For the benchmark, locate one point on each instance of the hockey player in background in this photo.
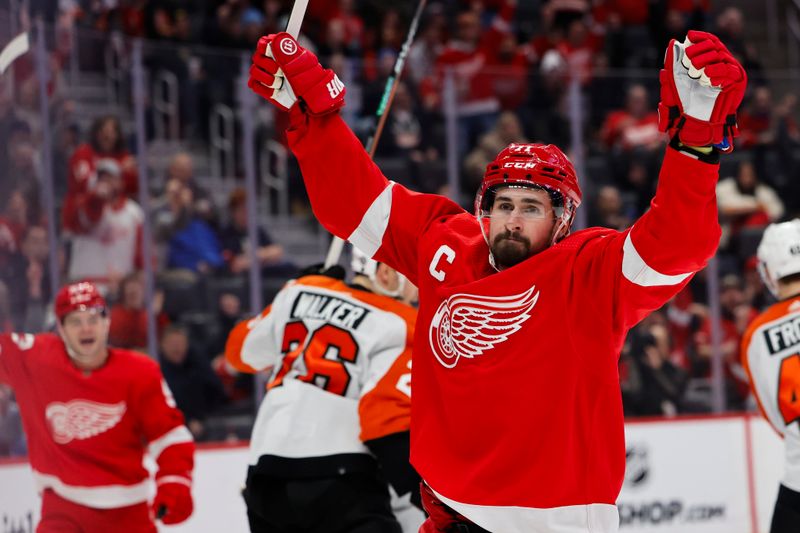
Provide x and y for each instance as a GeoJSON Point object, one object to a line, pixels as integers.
{"type": "Point", "coordinates": [91, 413]}
{"type": "Point", "coordinates": [771, 356]}
{"type": "Point", "coordinates": [338, 398]}
{"type": "Point", "coordinates": [517, 422]}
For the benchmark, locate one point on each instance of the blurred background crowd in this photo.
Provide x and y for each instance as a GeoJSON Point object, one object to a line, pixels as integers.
{"type": "Point", "coordinates": [83, 183]}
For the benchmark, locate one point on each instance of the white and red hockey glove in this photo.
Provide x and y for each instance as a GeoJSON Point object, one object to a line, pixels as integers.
{"type": "Point", "coordinates": [173, 502]}
{"type": "Point", "coordinates": [702, 85]}
{"type": "Point", "coordinates": [284, 72]}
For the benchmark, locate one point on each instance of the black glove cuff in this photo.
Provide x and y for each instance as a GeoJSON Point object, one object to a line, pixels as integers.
{"type": "Point", "coordinates": [711, 157]}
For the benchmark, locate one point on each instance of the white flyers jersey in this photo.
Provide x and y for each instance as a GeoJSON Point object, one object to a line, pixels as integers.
{"type": "Point", "coordinates": [341, 369]}
{"type": "Point", "coordinates": [771, 356]}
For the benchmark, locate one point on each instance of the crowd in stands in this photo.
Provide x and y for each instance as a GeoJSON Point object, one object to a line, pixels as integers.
{"type": "Point", "coordinates": [511, 63]}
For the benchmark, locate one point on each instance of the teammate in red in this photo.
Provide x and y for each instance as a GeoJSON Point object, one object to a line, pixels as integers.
{"type": "Point", "coordinates": [91, 413]}
{"type": "Point", "coordinates": [338, 399]}
{"type": "Point", "coordinates": [771, 356]}
{"type": "Point", "coordinates": [517, 419]}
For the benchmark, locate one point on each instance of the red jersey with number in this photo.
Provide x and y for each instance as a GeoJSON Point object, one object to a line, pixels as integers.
{"type": "Point", "coordinates": [88, 431]}
{"type": "Point", "coordinates": [340, 375]}
{"type": "Point", "coordinates": [517, 415]}
{"type": "Point", "coordinates": [771, 356]}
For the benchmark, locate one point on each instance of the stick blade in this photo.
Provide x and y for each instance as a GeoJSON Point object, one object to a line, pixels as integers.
{"type": "Point", "coordinates": [18, 46]}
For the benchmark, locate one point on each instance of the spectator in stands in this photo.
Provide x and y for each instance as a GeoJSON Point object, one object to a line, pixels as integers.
{"type": "Point", "coordinates": [427, 46]}
{"type": "Point", "coordinates": [129, 315]}
{"type": "Point", "coordinates": [661, 383]}
{"type": "Point", "coordinates": [373, 88]}
{"type": "Point", "coordinates": [764, 124]}
{"type": "Point", "coordinates": [467, 55]}
{"type": "Point", "coordinates": [22, 170]}
{"type": "Point", "coordinates": [26, 275]}
{"type": "Point", "coordinates": [344, 32]}
{"type": "Point", "coordinates": [736, 313]}
{"type": "Point", "coordinates": [755, 292]}
{"type": "Point", "coordinates": [508, 69]}
{"type": "Point", "coordinates": [238, 385]}
{"type": "Point", "coordinates": [197, 390]}
{"type": "Point", "coordinates": [14, 221]}
{"type": "Point", "coordinates": [409, 138]}
{"type": "Point", "coordinates": [683, 317]}
{"type": "Point", "coordinates": [181, 168]}
{"type": "Point", "coordinates": [235, 243]}
{"type": "Point", "coordinates": [105, 142]}
{"type": "Point", "coordinates": [745, 202]}
{"type": "Point", "coordinates": [578, 49]}
{"type": "Point", "coordinates": [730, 28]}
{"type": "Point", "coordinates": [506, 130]}
{"type": "Point", "coordinates": [608, 209]}
{"type": "Point", "coordinates": [104, 225]}
{"type": "Point", "coordinates": [190, 242]}
{"type": "Point", "coordinates": [12, 437]}
{"type": "Point", "coordinates": [636, 126]}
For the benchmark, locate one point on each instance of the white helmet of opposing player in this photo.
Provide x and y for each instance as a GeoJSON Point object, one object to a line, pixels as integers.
{"type": "Point", "coordinates": [779, 253]}
{"type": "Point", "coordinates": [364, 265]}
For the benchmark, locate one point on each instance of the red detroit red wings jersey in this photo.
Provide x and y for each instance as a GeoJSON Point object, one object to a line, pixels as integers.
{"type": "Point", "coordinates": [88, 431]}
{"type": "Point", "coordinates": [516, 415]}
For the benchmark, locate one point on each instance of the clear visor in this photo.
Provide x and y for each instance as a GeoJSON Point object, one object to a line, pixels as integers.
{"type": "Point", "coordinates": [499, 207]}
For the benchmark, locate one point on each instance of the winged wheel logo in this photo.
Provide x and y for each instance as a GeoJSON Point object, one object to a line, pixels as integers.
{"type": "Point", "coordinates": [468, 325]}
{"type": "Point", "coordinates": [82, 419]}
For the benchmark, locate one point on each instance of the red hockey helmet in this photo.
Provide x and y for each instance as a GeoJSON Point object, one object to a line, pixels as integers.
{"type": "Point", "coordinates": [531, 165]}
{"type": "Point", "coordinates": [78, 297]}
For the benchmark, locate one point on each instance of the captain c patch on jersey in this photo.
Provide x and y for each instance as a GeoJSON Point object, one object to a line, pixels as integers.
{"type": "Point", "coordinates": [783, 335]}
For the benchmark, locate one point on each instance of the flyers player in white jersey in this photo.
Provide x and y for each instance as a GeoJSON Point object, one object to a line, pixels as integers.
{"type": "Point", "coordinates": [338, 398]}
{"type": "Point", "coordinates": [517, 421]}
{"type": "Point", "coordinates": [91, 413]}
{"type": "Point", "coordinates": [771, 356]}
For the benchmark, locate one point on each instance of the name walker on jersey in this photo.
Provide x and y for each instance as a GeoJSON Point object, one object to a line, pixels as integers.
{"type": "Point", "coordinates": [329, 309]}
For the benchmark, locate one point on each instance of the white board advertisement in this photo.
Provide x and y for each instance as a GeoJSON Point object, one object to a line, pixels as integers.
{"type": "Point", "coordinates": [682, 476]}
{"type": "Point", "coordinates": [686, 477]}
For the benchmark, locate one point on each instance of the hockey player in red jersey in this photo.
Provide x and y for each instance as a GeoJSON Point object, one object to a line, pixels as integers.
{"type": "Point", "coordinates": [517, 421]}
{"type": "Point", "coordinates": [338, 399]}
{"type": "Point", "coordinates": [771, 356]}
{"type": "Point", "coordinates": [91, 413]}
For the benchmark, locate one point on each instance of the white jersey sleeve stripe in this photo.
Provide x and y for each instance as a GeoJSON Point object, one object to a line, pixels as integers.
{"type": "Point", "coordinates": [637, 271]}
{"type": "Point", "coordinates": [368, 236]}
{"type": "Point", "coordinates": [177, 435]}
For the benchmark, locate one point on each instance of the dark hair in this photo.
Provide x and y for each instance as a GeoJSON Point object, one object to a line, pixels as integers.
{"type": "Point", "coordinates": [791, 278]}
{"type": "Point", "coordinates": [98, 124]}
{"type": "Point", "coordinates": [237, 198]}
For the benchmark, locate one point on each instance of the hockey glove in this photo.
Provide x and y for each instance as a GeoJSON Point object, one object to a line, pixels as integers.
{"type": "Point", "coordinates": [285, 72]}
{"type": "Point", "coordinates": [702, 85]}
{"type": "Point", "coordinates": [173, 502]}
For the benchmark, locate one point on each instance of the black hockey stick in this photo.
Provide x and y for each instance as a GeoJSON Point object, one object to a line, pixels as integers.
{"type": "Point", "coordinates": [389, 90]}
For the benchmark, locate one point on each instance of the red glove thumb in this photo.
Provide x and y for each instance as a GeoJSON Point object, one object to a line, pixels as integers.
{"type": "Point", "coordinates": [173, 502]}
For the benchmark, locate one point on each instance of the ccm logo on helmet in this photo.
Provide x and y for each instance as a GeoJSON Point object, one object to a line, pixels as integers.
{"type": "Point", "coordinates": [517, 164]}
{"type": "Point", "coordinates": [288, 47]}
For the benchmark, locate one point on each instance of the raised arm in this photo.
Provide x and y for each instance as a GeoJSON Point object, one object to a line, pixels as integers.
{"type": "Point", "coordinates": [349, 194]}
{"type": "Point", "coordinates": [702, 86]}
